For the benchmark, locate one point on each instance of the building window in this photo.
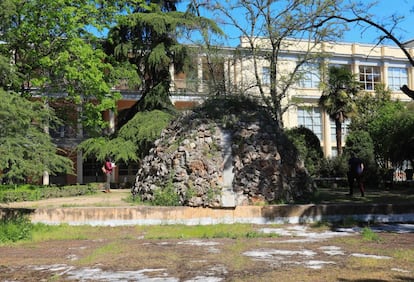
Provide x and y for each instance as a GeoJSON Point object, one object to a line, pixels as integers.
{"type": "Point", "coordinates": [310, 77]}
{"type": "Point", "coordinates": [397, 77]}
{"type": "Point", "coordinates": [369, 77]}
{"type": "Point", "coordinates": [311, 118]}
{"type": "Point", "coordinates": [266, 75]}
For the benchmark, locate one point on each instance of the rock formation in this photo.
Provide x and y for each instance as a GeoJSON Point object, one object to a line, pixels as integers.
{"type": "Point", "coordinates": [188, 159]}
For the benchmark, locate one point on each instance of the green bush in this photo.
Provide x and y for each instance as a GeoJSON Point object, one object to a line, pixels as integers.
{"type": "Point", "coordinates": [360, 143]}
{"type": "Point", "coordinates": [369, 235]}
{"type": "Point", "coordinates": [308, 146]}
{"type": "Point", "coordinates": [334, 167]}
{"type": "Point", "coordinates": [166, 197]}
{"type": "Point", "coordinates": [26, 192]}
{"type": "Point", "coordinates": [15, 229]}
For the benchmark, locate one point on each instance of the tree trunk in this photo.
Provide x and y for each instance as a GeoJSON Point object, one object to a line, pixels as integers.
{"type": "Point", "coordinates": [338, 132]}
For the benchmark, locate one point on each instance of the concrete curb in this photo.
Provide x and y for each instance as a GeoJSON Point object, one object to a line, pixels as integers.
{"type": "Point", "coordinates": [280, 214]}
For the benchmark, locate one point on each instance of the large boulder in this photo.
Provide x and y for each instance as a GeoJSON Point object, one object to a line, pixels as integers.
{"type": "Point", "coordinates": [188, 159]}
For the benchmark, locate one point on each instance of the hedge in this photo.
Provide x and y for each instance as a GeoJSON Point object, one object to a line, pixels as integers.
{"type": "Point", "coordinates": [18, 193]}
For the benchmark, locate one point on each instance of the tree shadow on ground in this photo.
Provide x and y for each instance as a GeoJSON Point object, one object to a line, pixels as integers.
{"type": "Point", "coordinates": [335, 195]}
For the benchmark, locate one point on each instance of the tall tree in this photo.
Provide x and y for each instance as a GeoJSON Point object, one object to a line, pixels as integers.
{"type": "Point", "coordinates": [267, 26]}
{"type": "Point", "coordinates": [26, 150]}
{"type": "Point", "coordinates": [145, 39]}
{"type": "Point", "coordinates": [53, 52]}
{"type": "Point", "coordinates": [146, 35]}
{"type": "Point", "coordinates": [368, 105]}
{"type": "Point", "coordinates": [337, 99]}
{"type": "Point", "coordinates": [390, 125]}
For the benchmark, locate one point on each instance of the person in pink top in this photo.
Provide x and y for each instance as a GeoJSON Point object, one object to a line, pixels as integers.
{"type": "Point", "coordinates": [107, 168]}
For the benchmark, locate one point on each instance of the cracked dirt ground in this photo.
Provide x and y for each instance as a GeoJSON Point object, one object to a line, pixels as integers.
{"type": "Point", "coordinates": [297, 253]}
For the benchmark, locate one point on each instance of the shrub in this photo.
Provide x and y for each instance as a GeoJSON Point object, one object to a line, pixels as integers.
{"type": "Point", "coordinates": [166, 197]}
{"type": "Point", "coordinates": [369, 235]}
{"type": "Point", "coordinates": [15, 229]}
{"type": "Point", "coordinates": [334, 167]}
{"type": "Point", "coordinates": [360, 143]}
{"type": "Point", "coordinates": [308, 146]}
{"type": "Point", "coordinates": [18, 193]}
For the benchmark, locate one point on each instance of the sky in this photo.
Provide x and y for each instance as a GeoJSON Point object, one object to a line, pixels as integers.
{"type": "Point", "coordinates": [383, 9]}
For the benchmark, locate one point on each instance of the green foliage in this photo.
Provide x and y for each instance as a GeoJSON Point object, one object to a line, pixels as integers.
{"type": "Point", "coordinates": [402, 137]}
{"type": "Point", "coordinates": [337, 98]}
{"type": "Point", "coordinates": [8, 76]}
{"type": "Point", "coordinates": [157, 98]}
{"type": "Point", "coordinates": [213, 193]}
{"type": "Point", "coordinates": [309, 147]}
{"type": "Point", "coordinates": [53, 52]}
{"type": "Point", "coordinates": [334, 167]}
{"type": "Point", "coordinates": [153, 27]}
{"type": "Point", "coordinates": [132, 141]}
{"type": "Point", "coordinates": [26, 150]}
{"type": "Point", "coordinates": [233, 231]}
{"type": "Point", "coordinates": [360, 144]}
{"type": "Point", "coordinates": [390, 125]}
{"type": "Point", "coordinates": [102, 147]}
{"type": "Point", "coordinates": [15, 229]}
{"type": "Point", "coordinates": [166, 196]}
{"type": "Point", "coordinates": [18, 193]}
{"type": "Point", "coordinates": [368, 106]}
{"type": "Point", "coordinates": [369, 235]}
{"type": "Point", "coordinates": [393, 132]}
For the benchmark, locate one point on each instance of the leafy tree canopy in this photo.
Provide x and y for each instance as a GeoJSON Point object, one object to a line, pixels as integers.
{"type": "Point", "coordinates": [54, 53]}
{"type": "Point", "coordinates": [26, 150]}
{"type": "Point", "coordinates": [146, 36]}
{"type": "Point", "coordinates": [389, 124]}
{"type": "Point", "coordinates": [133, 140]}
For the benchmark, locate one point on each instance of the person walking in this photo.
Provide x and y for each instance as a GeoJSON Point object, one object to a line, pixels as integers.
{"type": "Point", "coordinates": [355, 173]}
{"type": "Point", "coordinates": [107, 168]}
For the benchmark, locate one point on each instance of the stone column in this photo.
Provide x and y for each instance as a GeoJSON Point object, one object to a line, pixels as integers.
{"type": "Point", "coordinates": [384, 71]}
{"type": "Point", "coordinates": [111, 115]}
{"type": "Point", "coordinates": [172, 82]}
{"type": "Point", "coordinates": [200, 86]}
{"type": "Point", "coordinates": [410, 73]}
{"type": "Point", "coordinates": [355, 68]}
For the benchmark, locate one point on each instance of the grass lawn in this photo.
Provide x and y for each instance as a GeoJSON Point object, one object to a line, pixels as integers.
{"type": "Point", "coordinates": [398, 194]}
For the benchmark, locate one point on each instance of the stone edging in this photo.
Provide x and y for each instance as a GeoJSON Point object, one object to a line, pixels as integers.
{"type": "Point", "coordinates": [281, 214]}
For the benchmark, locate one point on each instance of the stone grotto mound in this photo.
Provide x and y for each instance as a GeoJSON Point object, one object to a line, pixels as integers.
{"type": "Point", "coordinates": [226, 148]}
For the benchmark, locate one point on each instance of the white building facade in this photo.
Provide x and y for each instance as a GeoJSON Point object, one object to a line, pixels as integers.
{"type": "Point", "coordinates": [372, 65]}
